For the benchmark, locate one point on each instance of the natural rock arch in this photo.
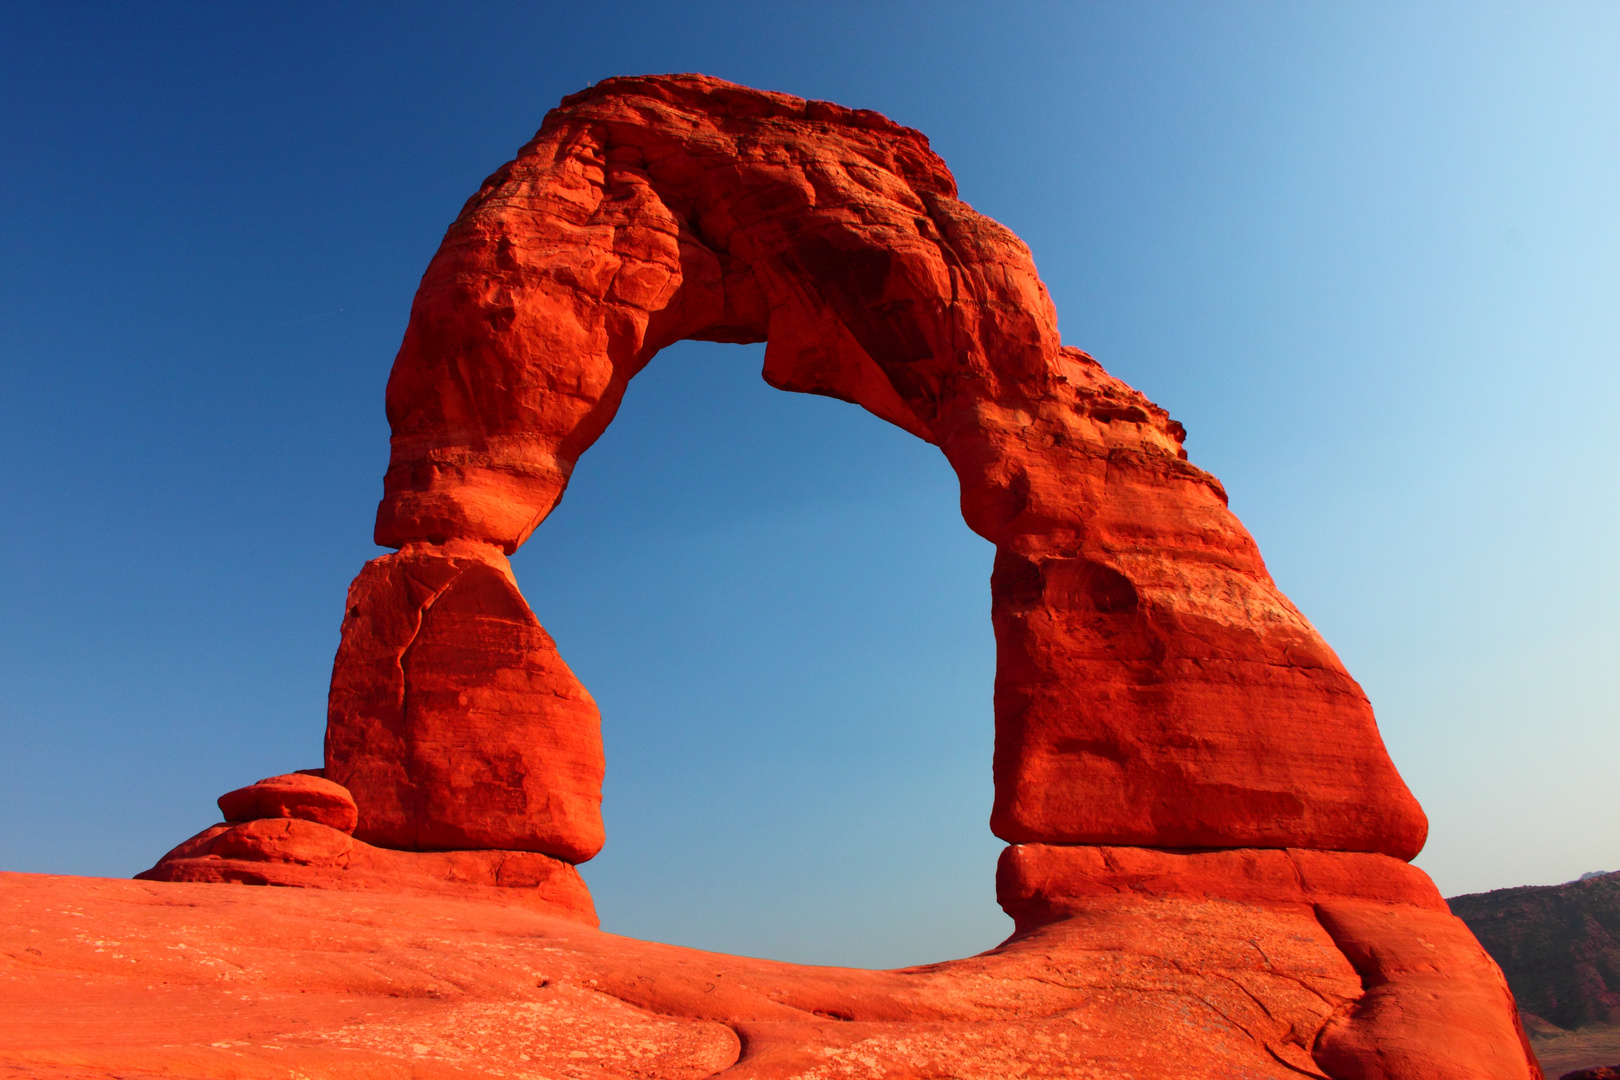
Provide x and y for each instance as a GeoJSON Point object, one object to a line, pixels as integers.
{"type": "Point", "coordinates": [1153, 686]}
{"type": "Point", "coordinates": [1201, 812]}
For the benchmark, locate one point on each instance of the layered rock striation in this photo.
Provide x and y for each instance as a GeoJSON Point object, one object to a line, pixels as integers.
{"type": "Point", "coordinates": [297, 831]}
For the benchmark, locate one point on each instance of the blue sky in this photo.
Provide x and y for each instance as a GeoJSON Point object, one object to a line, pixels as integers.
{"type": "Point", "coordinates": [1369, 254]}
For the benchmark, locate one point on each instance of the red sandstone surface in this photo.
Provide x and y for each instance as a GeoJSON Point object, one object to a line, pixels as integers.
{"type": "Point", "coordinates": [297, 848]}
{"type": "Point", "coordinates": [1206, 869]}
{"type": "Point", "coordinates": [455, 722]}
{"type": "Point", "coordinates": [304, 795]}
{"type": "Point", "coordinates": [1259, 964]}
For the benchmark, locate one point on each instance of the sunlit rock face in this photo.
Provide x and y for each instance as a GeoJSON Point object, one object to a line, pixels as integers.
{"type": "Point", "coordinates": [1207, 840]}
{"type": "Point", "coordinates": [454, 721]}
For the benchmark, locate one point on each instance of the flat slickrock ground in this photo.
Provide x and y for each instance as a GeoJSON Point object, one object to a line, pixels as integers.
{"type": "Point", "coordinates": [135, 979]}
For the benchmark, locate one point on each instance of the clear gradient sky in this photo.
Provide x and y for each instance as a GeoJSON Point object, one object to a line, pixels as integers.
{"type": "Point", "coordinates": [1368, 253]}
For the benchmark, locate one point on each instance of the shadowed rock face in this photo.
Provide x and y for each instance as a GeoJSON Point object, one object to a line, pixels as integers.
{"type": "Point", "coordinates": [1559, 946]}
{"type": "Point", "coordinates": [1153, 686]}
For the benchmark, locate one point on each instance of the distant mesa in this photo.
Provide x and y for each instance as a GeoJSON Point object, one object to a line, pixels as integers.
{"type": "Point", "coordinates": [1559, 946]}
{"type": "Point", "coordinates": [1208, 844]}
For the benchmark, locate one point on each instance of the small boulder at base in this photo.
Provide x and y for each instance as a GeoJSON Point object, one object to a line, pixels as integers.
{"type": "Point", "coordinates": [295, 795]}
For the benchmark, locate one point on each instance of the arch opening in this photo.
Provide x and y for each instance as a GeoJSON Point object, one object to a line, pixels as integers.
{"type": "Point", "coordinates": [782, 618]}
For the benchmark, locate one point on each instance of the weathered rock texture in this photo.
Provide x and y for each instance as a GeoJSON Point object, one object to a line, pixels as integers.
{"type": "Point", "coordinates": [294, 830]}
{"type": "Point", "coordinates": [1153, 686]}
{"type": "Point", "coordinates": [454, 721]}
{"type": "Point", "coordinates": [304, 795]}
{"type": "Point", "coordinates": [1432, 1002]}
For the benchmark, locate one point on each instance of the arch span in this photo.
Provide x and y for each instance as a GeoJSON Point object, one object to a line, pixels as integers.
{"type": "Point", "coordinates": [1153, 686]}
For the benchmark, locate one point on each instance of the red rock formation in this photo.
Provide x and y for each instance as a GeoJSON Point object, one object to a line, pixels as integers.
{"type": "Point", "coordinates": [1154, 690]}
{"type": "Point", "coordinates": [296, 795]}
{"type": "Point", "coordinates": [1153, 686]}
{"type": "Point", "coordinates": [455, 722]}
{"type": "Point", "coordinates": [294, 831]}
{"type": "Point", "coordinates": [1434, 1004]}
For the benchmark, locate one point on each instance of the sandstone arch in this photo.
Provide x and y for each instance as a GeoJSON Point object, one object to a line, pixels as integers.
{"type": "Point", "coordinates": [1205, 869]}
{"type": "Point", "coordinates": [1153, 686]}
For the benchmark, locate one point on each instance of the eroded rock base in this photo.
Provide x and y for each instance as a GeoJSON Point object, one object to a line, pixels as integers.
{"type": "Point", "coordinates": [1351, 962]}
{"type": "Point", "coordinates": [302, 854]}
{"type": "Point", "coordinates": [294, 830]}
{"type": "Point", "coordinates": [1346, 965]}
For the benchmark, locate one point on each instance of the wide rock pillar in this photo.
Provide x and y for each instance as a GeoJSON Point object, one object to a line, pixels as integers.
{"type": "Point", "coordinates": [453, 720]}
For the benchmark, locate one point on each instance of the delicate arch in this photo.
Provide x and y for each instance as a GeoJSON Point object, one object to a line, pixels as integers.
{"type": "Point", "coordinates": [1153, 686]}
